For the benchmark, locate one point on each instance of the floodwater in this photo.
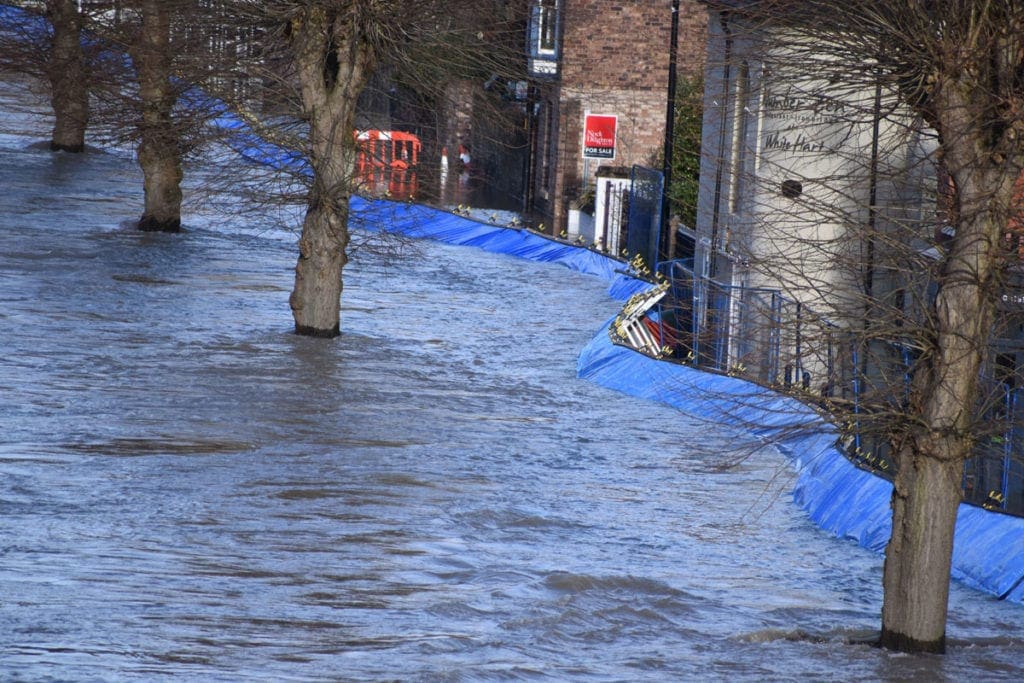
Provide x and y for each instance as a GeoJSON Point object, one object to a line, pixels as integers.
{"type": "Point", "coordinates": [190, 491]}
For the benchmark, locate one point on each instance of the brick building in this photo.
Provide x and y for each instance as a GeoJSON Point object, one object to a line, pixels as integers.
{"type": "Point", "coordinates": [601, 57]}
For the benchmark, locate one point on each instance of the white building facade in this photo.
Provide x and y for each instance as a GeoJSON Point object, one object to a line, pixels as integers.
{"type": "Point", "coordinates": [804, 177]}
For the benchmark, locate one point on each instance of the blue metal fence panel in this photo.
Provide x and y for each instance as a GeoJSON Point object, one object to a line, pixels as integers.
{"type": "Point", "coordinates": [760, 335]}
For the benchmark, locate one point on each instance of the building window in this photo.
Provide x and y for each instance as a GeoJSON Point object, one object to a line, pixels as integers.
{"type": "Point", "coordinates": [543, 37]}
{"type": "Point", "coordinates": [547, 29]}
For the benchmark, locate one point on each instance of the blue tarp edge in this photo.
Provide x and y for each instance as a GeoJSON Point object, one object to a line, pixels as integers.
{"type": "Point", "coordinates": [425, 222]}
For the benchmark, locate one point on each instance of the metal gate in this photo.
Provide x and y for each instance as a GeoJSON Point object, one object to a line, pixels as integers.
{"type": "Point", "coordinates": [644, 227]}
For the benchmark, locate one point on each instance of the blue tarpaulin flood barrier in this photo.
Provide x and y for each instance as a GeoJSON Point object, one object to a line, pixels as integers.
{"type": "Point", "coordinates": [424, 222]}
{"type": "Point", "coordinates": [840, 497]}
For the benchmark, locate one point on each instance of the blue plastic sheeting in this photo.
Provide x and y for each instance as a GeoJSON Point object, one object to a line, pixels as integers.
{"type": "Point", "coordinates": [989, 552]}
{"type": "Point", "coordinates": [845, 500]}
{"type": "Point", "coordinates": [716, 398]}
{"type": "Point", "coordinates": [840, 497]}
{"type": "Point", "coordinates": [424, 222]}
{"type": "Point", "coordinates": [24, 22]}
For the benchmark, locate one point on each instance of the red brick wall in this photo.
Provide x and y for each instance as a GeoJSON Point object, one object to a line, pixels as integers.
{"type": "Point", "coordinates": [615, 60]}
{"type": "Point", "coordinates": [615, 43]}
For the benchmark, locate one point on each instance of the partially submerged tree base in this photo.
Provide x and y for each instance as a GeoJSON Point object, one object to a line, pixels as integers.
{"type": "Point", "coordinates": [307, 331]}
{"type": "Point", "coordinates": [898, 642]}
{"type": "Point", "coordinates": [316, 299]}
{"type": "Point", "coordinates": [152, 224]}
{"type": "Point", "coordinates": [925, 500]}
{"type": "Point", "coordinates": [160, 144]}
{"type": "Point", "coordinates": [73, 149]}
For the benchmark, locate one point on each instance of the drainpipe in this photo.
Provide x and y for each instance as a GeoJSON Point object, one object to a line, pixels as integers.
{"type": "Point", "coordinates": [532, 153]}
{"type": "Point", "coordinates": [667, 244]}
{"type": "Point", "coordinates": [716, 214]}
{"type": "Point", "coordinates": [869, 256]}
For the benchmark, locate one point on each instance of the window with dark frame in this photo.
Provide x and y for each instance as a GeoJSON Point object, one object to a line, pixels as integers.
{"type": "Point", "coordinates": [547, 26]}
{"type": "Point", "coordinates": [542, 41]}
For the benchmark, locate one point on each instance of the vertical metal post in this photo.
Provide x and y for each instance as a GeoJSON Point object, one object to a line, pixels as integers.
{"type": "Point", "coordinates": [775, 338]}
{"type": "Point", "coordinates": [855, 362]}
{"type": "Point", "coordinates": [830, 366]}
{"type": "Point", "coordinates": [699, 302]}
{"type": "Point", "coordinates": [799, 339]}
{"type": "Point", "coordinates": [1011, 405]}
{"type": "Point", "coordinates": [667, 239]}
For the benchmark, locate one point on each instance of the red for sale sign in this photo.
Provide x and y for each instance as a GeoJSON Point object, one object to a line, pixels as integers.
{"type": "Point", "coordinates": [599, 136]}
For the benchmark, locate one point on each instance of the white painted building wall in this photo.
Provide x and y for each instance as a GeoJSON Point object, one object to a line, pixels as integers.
{"type": "Point", "coordinates": [791, 160]}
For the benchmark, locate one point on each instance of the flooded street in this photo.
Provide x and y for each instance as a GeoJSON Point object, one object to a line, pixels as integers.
{"type": "Point", "coordinates": [188, 490]}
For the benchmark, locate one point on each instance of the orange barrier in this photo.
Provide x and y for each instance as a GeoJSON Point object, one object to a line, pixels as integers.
{"type": "Point", "coordinates": [386, 162]}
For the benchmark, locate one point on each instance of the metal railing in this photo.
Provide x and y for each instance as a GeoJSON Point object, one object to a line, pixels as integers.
{"type": "Point", "coordinates": [760, 335]}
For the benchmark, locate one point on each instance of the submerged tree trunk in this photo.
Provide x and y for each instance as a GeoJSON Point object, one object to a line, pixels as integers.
{"type": "Point", "coordinates": [159, 145]}
{"type": "Point", "coordinates": [927, 488]}
{"type": "Point", "coordinates": [925, 498]}
{"type": "Point", "coordinates": [333, 61]}
{"type": "Point", "coordinates": [316, 298]}
{"type": "Point", "coordinates": [68, 76]}
{"type": "Point", "coordinates": [928, 484]}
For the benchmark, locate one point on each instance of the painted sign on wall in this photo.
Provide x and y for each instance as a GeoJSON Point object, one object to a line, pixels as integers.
{"type": "Point", "coordinates": [599, 136]}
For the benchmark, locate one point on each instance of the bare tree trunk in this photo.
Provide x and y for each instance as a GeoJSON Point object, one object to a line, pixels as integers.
{"type": "Point", "coordinates": [928, 484]}
{"type": "Point", "coordinates": [68, 77]}
{"type": "Point", "coordinates": [159, 147]}
{"type": "Point", "coordinates": [926, 495]}
{"type": "Point", "coordinates": [316, 298]}
{"type": "Point", "coordinates": [333, 62]}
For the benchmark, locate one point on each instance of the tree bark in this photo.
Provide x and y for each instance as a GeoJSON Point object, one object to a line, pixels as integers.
{"type": "Point", "coordinates": [928, 483]}
{"type": "Point", "coordinates": [927, 487]}
{"type": "Point", "coordinates": [68, 76]}
{"type": "Point", "coordinates": [926, 495]}
{"type": "Point", "coordinates": [333, 61]}
{"type": "Point", "coordinates": [159, 146]}
{"type": "Point", "coordinates": [316, 298]}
